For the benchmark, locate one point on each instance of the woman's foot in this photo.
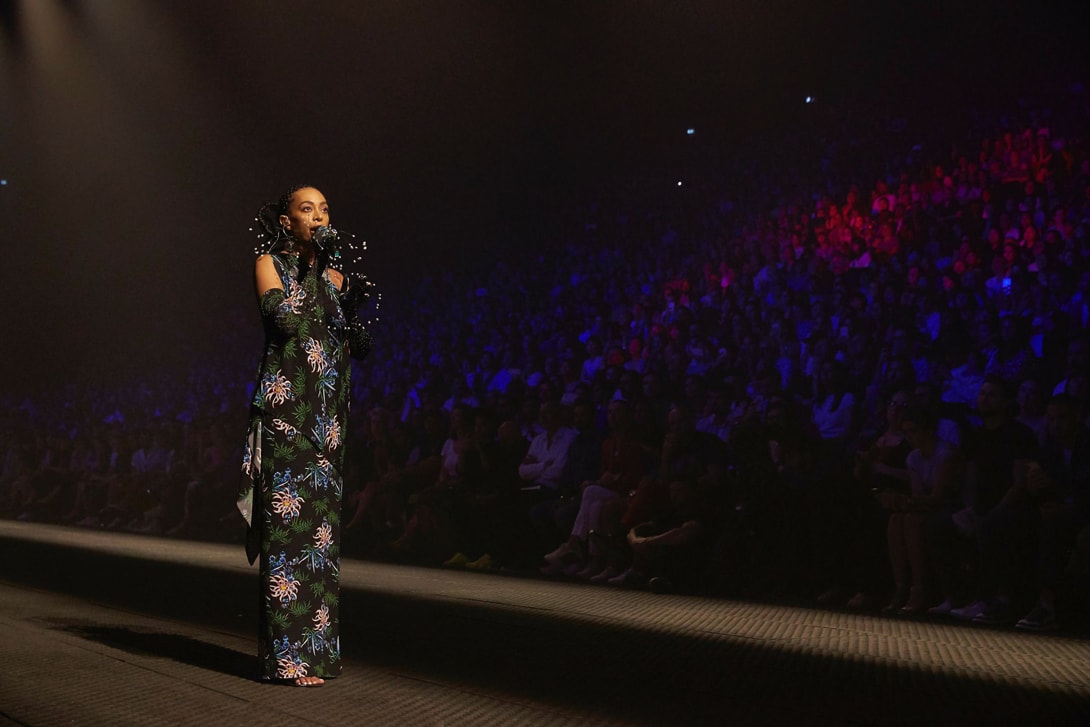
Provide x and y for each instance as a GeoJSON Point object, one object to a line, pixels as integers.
{"type": "Point", "coordinates": [900, 598]}
{"type": "Point", "coordinates": [861, 601]}
{"type": "Point", "coordinates": [309, 682]}
{"type": "Point", "coordinates": [570, 551]}
{"type": "Point", "coordinates": [917, 602]}
{"type": "Point", "coordinates": [832, 596]}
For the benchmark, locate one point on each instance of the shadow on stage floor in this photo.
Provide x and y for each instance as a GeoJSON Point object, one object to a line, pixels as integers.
{"type": "Point", "coordinates": [635, 657]}
{"type": "Point", "coordinates": [179, 648]}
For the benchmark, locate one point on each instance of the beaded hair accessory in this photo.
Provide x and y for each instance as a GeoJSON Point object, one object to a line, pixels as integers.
{"type": "Point", "coordinates": [271, 235]}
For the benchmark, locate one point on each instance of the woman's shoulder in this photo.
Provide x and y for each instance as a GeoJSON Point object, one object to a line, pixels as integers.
{"type": "Point", "coordinates": [270, 272]}
{"type": "Point", "coordinates": [270, 260]}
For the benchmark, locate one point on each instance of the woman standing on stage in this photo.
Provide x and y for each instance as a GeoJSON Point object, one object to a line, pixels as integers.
{"type": "Point", "coordinates": [292, 485]}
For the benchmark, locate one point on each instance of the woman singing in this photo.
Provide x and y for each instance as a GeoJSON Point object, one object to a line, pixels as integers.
{"type": "Point", "coordinates": [291, 490]}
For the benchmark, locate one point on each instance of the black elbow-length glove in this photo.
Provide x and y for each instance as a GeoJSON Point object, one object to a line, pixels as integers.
{"type": "Point", "coordinates": [355, 292]}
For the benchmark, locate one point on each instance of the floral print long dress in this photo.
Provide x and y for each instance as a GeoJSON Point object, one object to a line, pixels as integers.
{"type": "Point", "coordinates": [292, 485]}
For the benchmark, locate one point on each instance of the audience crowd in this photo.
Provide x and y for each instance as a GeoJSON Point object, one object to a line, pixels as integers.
{"type": "Point", "coordinates": [798, 381]}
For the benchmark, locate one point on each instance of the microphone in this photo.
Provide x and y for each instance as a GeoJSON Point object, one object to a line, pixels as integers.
{"type": "Point", "coordinates": [323, 237]}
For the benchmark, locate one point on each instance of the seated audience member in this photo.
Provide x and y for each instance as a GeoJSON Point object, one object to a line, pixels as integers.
{"type": "Point", "coordinates": [670, 551]}
{"type": "Point", "coordinates": [999, 518]}
{"type": "Point", "coordinates": [1078, 388]}
{"type": "Point", "coordinates": [685, 453]}
{"type": "Point", "coordinates": [851, 528]}
{"type": "Point", "coordinates": [93, 490]}
{"type": "Point", "coordinates": [200, 492]}
{"type": "Point", "coordinates": [965, 379]}
{"type": "Point", "coordinates": [85, 460]}
{"type": "Point", "coordinates": [927, 395]}
{"type": "Point", "coordinates": [429, 531]}
{"type": "Point", "coordinates": [166, 494]}
{"type": "Point", "coordinates": [1013, 358]}
{"type": "Point", "coordinates": [717, 418]}
{"type": "Point", "coordinates": [753, 552]}
{"type": "Point", "coordinates": [500, 505]}
{"type": "Point", "coordinates": [482, 499]}
{"type": "Point", "coordinates": [602, 500]}
{"type": "Point", "coordinates": [881, 466]}
{"type": "Point", "coordinates": [51, 484]}
{"type": "Point", "coordinates": [934, 490]}
{"type": "Point", "coordinates": [583, 464]}
{"type": "Point", "coordinates": [542, 470]}
{"type": "Point", "coordinates": [393, 447]}
{"type": "Point", "coordinates": [141, 490]}
{"type": "Point", "coordinates": [1077, 361]}
{"type": "Point", "coordinates": [19, 468]}
{"type": "Point", "coordinates": [92, 463]}
{"type": "Point", "coordinates": [1059, 482]}
{"type": "Point", "coordinates": [383, 503]}
{"type": "Point", "coordinates": [1031, 408]}
{"type": "Point", "coordinates": [698, 461]}
{"type": "Point", "coordinates": [529, 416]}
{"type": "Point", "coordinates": [833, 409]}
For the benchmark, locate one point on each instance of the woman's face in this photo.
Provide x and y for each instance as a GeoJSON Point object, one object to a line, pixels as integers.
{"type": "Point", "coordinates": [896, 407]}
{"type": "Point", "coordinates": [307, 212]}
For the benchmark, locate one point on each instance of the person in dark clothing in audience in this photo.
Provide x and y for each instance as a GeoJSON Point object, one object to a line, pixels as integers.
{"type": "Point", "coordinates": [670, 551]}
{"type": "Point", "coordinates": [484, 505]}
{"type": "Point", "coordinates": [999, 517]}
{"type": "Point", "coordinates": [584, 464]}
{"type": "Point", "coordinates": [691, 471]}
{"type": "Point", "coordinates": [1059, 483]}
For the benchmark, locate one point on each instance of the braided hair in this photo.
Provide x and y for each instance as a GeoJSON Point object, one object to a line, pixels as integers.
{"type": "Point", "coordinates": [271, 235]}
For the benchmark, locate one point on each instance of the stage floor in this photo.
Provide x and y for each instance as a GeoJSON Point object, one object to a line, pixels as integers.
{"type": "Point", "coordinates": [105, 628]}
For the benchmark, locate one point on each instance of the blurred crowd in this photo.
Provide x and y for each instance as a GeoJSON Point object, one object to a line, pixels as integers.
{"type": "Point", "coordinates": [858, 376]}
